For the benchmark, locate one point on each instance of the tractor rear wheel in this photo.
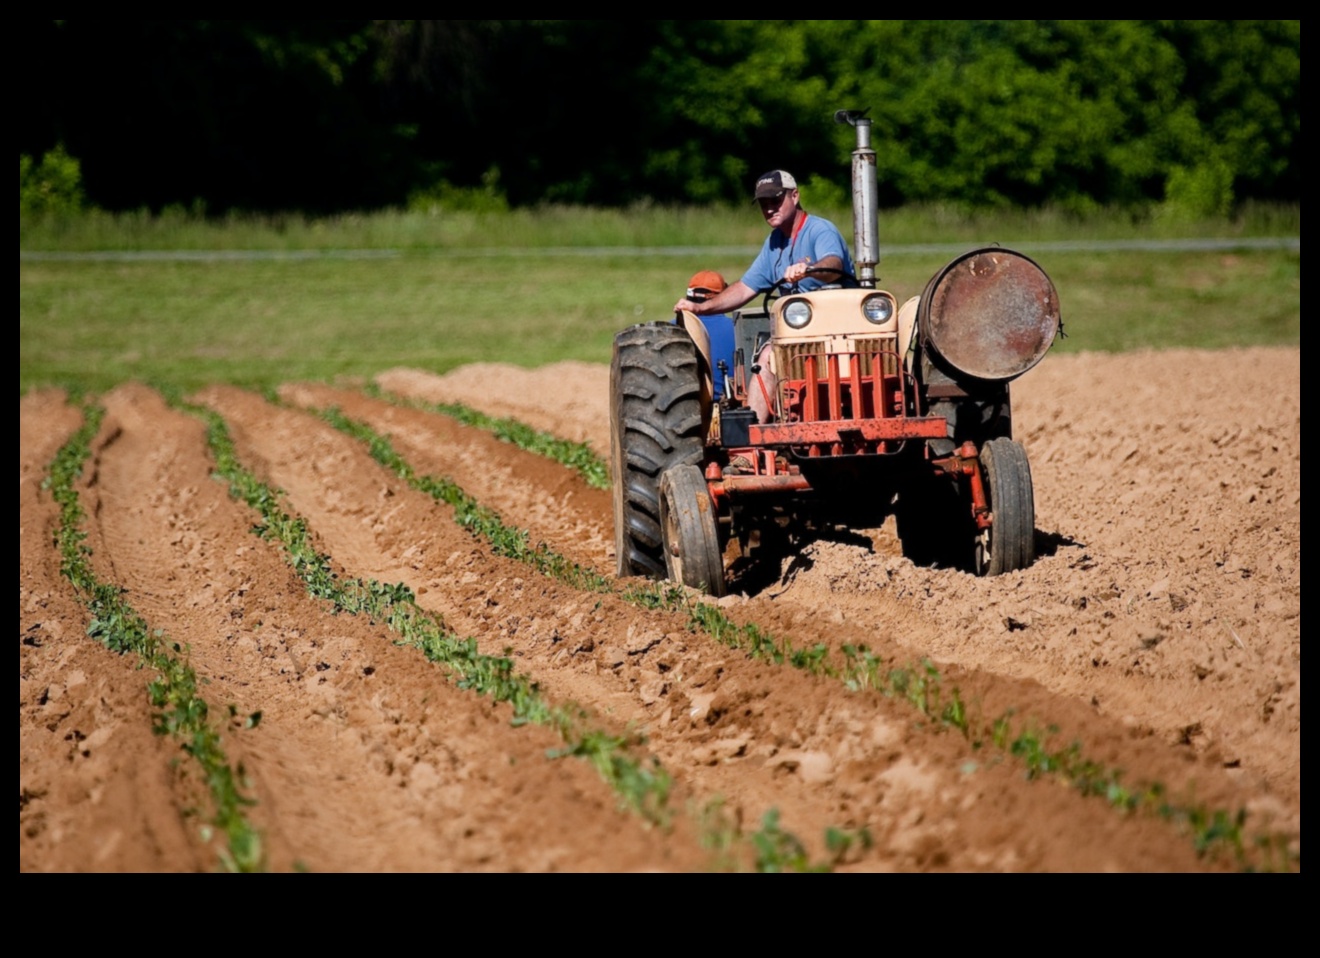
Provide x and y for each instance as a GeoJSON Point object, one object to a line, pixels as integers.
{"type": "Point", "coordinates": [656, 423]}
{"type": "Point", "coordinates": [1009, 544]}
{"type": "Point", "coordinates": [691, 534]}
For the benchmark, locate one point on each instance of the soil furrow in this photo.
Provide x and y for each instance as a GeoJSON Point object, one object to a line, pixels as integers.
{"type": "Point", "coordinates": [96, 787]}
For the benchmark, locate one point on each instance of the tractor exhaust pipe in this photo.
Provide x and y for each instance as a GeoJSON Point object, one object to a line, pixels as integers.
{"type": "Point", "coordinates": [866, 243]}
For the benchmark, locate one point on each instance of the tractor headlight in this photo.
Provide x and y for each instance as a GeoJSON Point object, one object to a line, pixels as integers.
{"type": "Point", "coordinates": [878, 309]}
{"type": "Point", "coordinates": [797, 313]}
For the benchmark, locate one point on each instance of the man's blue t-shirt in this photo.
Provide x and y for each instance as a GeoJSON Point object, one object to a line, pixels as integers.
{"type": "Point", "coordinates": [815, 239]}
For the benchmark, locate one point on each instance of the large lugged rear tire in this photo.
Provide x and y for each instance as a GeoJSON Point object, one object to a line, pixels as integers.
{"type": "Point", "coordinates": [655, 424]}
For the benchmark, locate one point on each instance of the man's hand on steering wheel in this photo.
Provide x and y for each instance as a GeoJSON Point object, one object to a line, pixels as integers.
{"type": "Point", "coordinates": [832, 273]}
{"type": "Point", "coordinates": [793, 275]}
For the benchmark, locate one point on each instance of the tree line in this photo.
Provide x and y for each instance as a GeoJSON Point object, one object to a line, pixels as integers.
{"type": "Point", "coordinates": [326, 116]}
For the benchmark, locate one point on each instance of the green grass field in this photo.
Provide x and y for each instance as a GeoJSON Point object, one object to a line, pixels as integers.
{"type": "Point", "coordinates": [259, 302]}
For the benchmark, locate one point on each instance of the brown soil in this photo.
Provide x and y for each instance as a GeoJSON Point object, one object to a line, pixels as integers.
{"type": "Point", "coordinates": [1159, 629]}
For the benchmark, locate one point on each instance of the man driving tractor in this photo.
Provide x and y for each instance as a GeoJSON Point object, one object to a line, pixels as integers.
{"type": "Point", "coordinates": [802, 251]}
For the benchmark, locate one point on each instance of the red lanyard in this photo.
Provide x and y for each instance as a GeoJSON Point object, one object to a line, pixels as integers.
{"type": "Point", "coordinates": [797, 228]}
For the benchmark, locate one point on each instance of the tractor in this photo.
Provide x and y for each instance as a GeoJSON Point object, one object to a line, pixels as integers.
{"type": "Point", "coordinates": [877, 409]}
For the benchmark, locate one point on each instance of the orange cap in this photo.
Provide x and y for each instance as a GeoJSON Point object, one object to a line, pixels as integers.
{"type": "Point", "coordinates": [706, 283]}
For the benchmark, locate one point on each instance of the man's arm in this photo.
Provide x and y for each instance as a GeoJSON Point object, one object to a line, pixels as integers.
{"type": "Point", "coordinates": [826, 263]}
{"type": "Point", "coordinates": [738, 294]}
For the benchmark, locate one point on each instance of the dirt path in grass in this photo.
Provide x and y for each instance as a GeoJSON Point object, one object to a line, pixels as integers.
{"type": "Point", "coordinates": [1159, 631]}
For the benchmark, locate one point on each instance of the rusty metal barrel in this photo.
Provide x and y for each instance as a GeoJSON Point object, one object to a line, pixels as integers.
{"type": "Point", "coordinates": [991, 313]}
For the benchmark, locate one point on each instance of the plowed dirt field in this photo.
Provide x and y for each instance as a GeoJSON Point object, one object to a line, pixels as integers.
{"type": "Point", "coordinates": [1154, 647]}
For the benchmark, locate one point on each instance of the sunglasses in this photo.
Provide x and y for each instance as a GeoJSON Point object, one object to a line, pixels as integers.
{"type": "Point", "coordinates": [699, 293]}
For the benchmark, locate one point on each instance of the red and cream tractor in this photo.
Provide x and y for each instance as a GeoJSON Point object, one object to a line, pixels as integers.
{"type": "Point", "coordinates": [877, 408]}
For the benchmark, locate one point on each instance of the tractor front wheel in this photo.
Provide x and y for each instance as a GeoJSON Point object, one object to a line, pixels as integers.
{"type": "Point", "coordinates": [1009, 543]}
{"type": "Point", "coordinates": [691, 534]}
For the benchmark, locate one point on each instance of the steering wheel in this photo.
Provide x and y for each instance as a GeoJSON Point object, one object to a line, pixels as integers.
{"type": "Point", "coordinates": [783, 287]}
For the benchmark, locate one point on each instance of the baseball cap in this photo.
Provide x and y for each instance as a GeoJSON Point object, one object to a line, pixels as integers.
{"type": "Point", "coordinates": [706, 283]}
{"type": "Point", "coordinates": [771, 184]}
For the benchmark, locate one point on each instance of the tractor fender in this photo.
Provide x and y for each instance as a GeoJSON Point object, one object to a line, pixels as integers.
{"type": "Point", "coordinates": [907, 330]}
{"type": "Point", "coordinates": [701, 339]}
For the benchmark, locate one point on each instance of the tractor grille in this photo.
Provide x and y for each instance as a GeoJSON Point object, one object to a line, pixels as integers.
{"type": "Point", "coordinates": [869, 379]}
{"type": "Point", "coordinates": [844, 396]}
{"type": "Point", "coordinates": [791, 358]}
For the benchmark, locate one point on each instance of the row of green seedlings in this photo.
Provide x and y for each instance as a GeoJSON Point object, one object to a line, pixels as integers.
{"type": "Point", "coordinates": [1212, 831]}
{"type": "Point", "coordinates": [182, 712]}
{"type": "Point", "coordinates": [572, 455]}
{"type": "Point", "coordinates": [643, 785]}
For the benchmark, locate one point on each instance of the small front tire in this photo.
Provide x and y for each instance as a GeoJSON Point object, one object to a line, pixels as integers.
{"type": "Point", "coordinates": [693, 555]}
{"type": "Point", "coordinates": [1009, 543]}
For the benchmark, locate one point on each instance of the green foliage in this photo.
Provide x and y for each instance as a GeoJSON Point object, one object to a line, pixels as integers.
{"type": "Point", "coordinates": [427, 114]}
{"type": "Point", "coordinates": [445, 197]}
{"type": "Point", "coordinates": [825, 193]}
{"type": "Point", "coordinates": [1244, 77]}
{"type": "Point", "coordinates": [770, 849]}
{"type": "Point", "coordinates": [51, 185]}
{"type": "Point", "coordinates": [1193, 193]}
{"type": "Point", "coordinates": [777, 850]}
{"type": "Point", "coordinates": [645, 785]}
